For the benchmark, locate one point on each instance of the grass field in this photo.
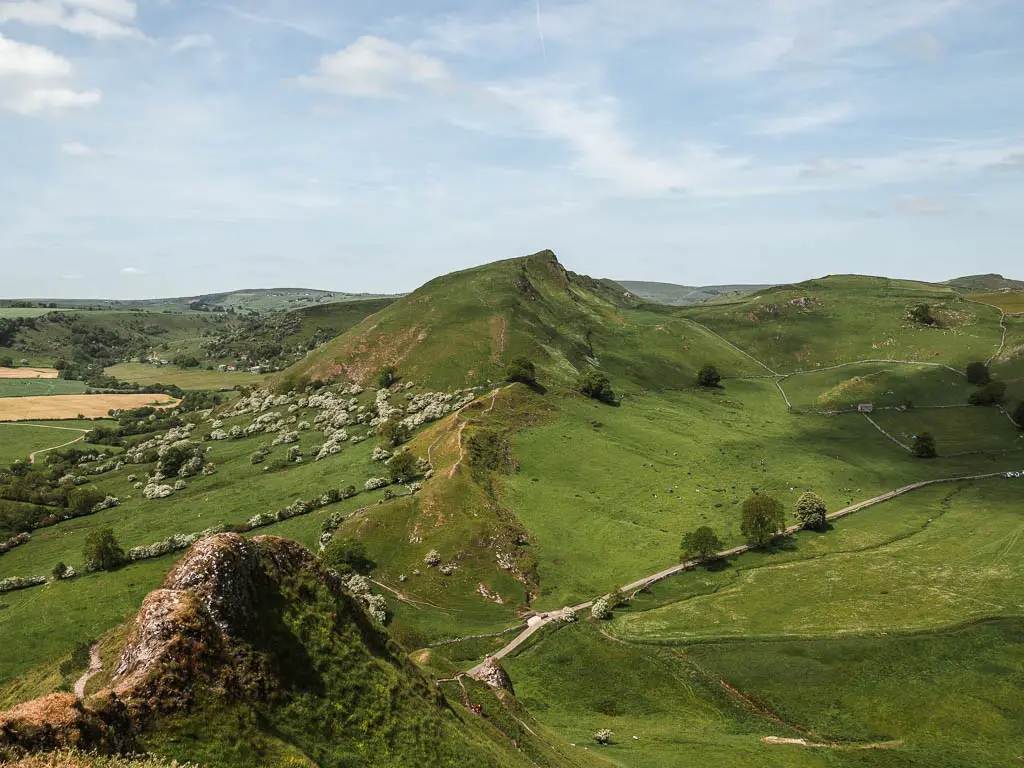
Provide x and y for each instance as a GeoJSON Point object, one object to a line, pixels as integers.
{"type": "Point", "coordinates": [24, 311]}
{"type": "Point", "coordinates": [18, 440]}
{"type": "Point", "coordinates": [40, 387]}
{"type": "Point", "coordinates": [956, 430]}
{"type": "Point", "coordinates": [145, 374]}
{"type": "Point", "coordinates": [963, 562]}
{"type": "Point", "coordinates": [69, 406]}
{"type": "Point", "coordinates": [29, 373]}
{"type": "Point", "coordinates": [878, 383]}
{"type": "Point", "coordinates": [848, 318]}
{"type": "Point", "coordinates": [607, 504]}
{"type": "Point", "coordinates": [1011, 302]}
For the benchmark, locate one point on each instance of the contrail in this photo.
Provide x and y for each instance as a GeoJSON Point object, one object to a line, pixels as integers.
{"type": "Point", "coordinates": [540, 34]}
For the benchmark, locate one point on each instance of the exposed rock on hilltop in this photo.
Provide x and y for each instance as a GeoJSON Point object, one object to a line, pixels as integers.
{"type": "Point", "coordinates": [250, 649]}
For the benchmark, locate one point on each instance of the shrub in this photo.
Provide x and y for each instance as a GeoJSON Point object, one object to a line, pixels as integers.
{"type": "Point", "coordinates": [596, 386]}
{"type": "Point", "coordinates": [601, 609]}
{"type": "Point", "coordinates": [102, 552]}
{"type": "Point", "coordinates": [921, 314]}
{"type": "Point", "coordinates": [347, 556]}
{"type": "Point", "coordinates": [433, 558]}
{"type": "Point", "coordinates": [992, 393]}
{"type": "Point", "coordinates": [522, 370]}
{"type": "Point", "coordinates": [708, 376]}
{"type": "Point", "coordinates": [977, 374]}
{"type": "Point", "coordinates": [374, 483]}
{"type": "Point", "coordinates": [763, 519]}
{"type": "Point", "coordinates": [82, 501]}
{"type": "Point", "coordinates": [924, 446]}
{"type": "Point", "coordinates": [394, 432]}
{"type": "Point", "coordinates": [603, 736]}
{"type": "Point", "coordinates": [59, 570]}
{"type": "Point", "coordinates": [387, 377]}
{"type": "Point", "coordinates": [701, 544]}
{"type": "Point", "coordinates": [811, 510]}
{"type": "Point", "coordinates": [567, 615]}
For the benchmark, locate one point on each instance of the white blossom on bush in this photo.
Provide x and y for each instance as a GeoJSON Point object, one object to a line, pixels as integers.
{"type": "Point", "coordinates": [154, 491]}
{"type": "Point", "coordinates": [603, 736]}
{"type": "Point", "coordinates": [180, 485]}
{"type": "Point", "coordinates": [433, 558]}
{"type": "Point", "coordinates": [567, 615]}
{"type": "Point", "coordinates": [108, 503]}
{"type": "Point", "coordinates": [376, 482]}
{"type": "Point", "coordinates": [601, 609]}
{"type": "Point", "coordinates": [381, 454]}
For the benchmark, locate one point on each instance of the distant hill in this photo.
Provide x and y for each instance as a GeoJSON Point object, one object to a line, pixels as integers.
{"type": "Point", "coordinates": [985, 283]}
{"type": "Point", "coordinates": [244, 300]}
{"type": "Point", "coordinates": [685, 295]}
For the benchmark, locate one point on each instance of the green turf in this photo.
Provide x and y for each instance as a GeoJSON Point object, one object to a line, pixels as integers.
{"type": "Point", "coordinates": [36, 387]}
{"type": "Point", "coordinates": [854, 318]}
{"type": "Point", "coordinates": [883, 385]}
{"type": "Point", "coordinates": [18, 440]}
{"type": "Point", "coordinates": [955, 429]}
{"type": "Point", "coordinates": [963, 565]}
{"type": "Point", "coordinates": [145, 373]}
{"type": "Point", "coordinates": [24, 311]}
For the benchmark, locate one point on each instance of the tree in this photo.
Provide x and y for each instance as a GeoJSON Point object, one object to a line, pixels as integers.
{"type": "Point", "coordinates": [102, 552]}
{"type": "Point", "coordinates": [763, 519]}
{"type": "Point", "coordinates": [922, 314]}
{"type": "Point", "coordinates": [701, 544]}
{"type": "Point", "coordinates": [708, 376]}
{"type": "Point", "coordinates": [387, 377]}
{"type": "Point", "coordinates": [596, 386]}
{"type": "Point", "coordinates": [522, 370]}
{"type": "Point", "coordinates": [977, 374]}
{"type": "Point", "coordinates": [347, 555]}
{"type": "Point", "coordinates": [186, 361]}
{"type": "Point", "coordinates": [924, 446]}
{"type": "Point", "coordinates": [402, 467]}
{"type": "Point", "coordinates": [1018, 415]}
{"type": "Point", "coordinates": [394, 432]}
{"type": "Point", "coordinates": [811, 510]}
{"type": "Point", "coordinates": [992, 393]}
{"type": "Point", "coordinates": [82, 500]}
{"type": "Point", "coordinates": [601, 609]}
{"type": "Point", "coordinates": [60, 570]}
{"type": "Point", "coordinates": [6, 362]}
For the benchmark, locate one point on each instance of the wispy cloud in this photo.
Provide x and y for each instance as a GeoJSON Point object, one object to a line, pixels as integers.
{"type": "Point", "coordinates": [807, 121]}
{"type": "Point", "coordinates": [102, 19]}
{"type": "Point", "coordinates": [34, 79]}
{"type": "Point", "coordinates": [302, 27]}
{"type": "Point", "coordinates": [373, 66]}
{"type": "Point", "coordinates": [77, 149]}
{"type": "Point", "coordinates": [132, 272]}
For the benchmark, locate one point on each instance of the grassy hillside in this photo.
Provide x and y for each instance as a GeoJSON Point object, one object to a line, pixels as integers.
{"type": "Point", "coordinates": [463, 328]}
{"type": "Point", "coordinates": [842, 319]}
{"type": "Point", "coordinates": [989, 282]}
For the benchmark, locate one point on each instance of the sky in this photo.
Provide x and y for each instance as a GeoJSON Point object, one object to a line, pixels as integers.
{"type": "Point", "coordinates": [176, 147]}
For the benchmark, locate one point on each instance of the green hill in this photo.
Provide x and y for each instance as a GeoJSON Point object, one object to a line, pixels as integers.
{"type": "Point", "coordinates": [991, 282]}
{"type": "Point", "coordinates": [463, 329]}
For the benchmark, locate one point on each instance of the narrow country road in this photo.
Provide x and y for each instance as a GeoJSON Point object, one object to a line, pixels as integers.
{"type": "Point", "coordinates": [95, 665]}
{"type": "Point", "coordinates": [542, 620]}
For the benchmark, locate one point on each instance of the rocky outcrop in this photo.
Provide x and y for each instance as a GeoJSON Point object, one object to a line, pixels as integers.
{"type": "Point", "coordinates": [492, 673]}
{"type": "Point", "coordinates": [61, 721]}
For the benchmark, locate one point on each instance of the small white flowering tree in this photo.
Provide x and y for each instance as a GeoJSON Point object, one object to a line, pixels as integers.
{"type": "Point", "coordinates": [603, 736]}
{"type": "Point", "coordinates": [601, 609]}
{"type": "Point", "coordinates": [433, 558]}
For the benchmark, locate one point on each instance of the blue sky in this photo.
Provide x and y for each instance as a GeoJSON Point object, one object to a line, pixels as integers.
{"type": "Point", "coordinates": [176, 147]}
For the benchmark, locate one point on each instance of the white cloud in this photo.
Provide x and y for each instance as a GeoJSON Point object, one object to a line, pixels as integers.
{"type": "Point", "coordinates": [919, 205]}
{"type": "Point", "coordinates": [34, 79]}
{"type": "Point", "coordinates": [827, 168]}
{"type": "Point", "coordinates": [807, 121]}
{"type": "Point", "coordinates": [1012, 162]}
{"type": "Point", "coordinates": [101, 19]}
{"type": "Point", "coordinates": [132, 271]}
{"type": "Point", "coordinates": [188, 42]}
{"type": "Point", "coordinates": [77, 149]}
{"type": "Point", "coordinates": [373, 66]}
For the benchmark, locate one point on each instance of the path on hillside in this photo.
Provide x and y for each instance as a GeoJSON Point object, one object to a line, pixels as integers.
{"type": "Point", "coordinates": [95, 665]}
{"type": "Point", "coordinates": [542, 620]}
{"type": "Point", "coordinates": [32, 456]}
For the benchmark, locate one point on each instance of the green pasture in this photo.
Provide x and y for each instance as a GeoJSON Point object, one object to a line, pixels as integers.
{"type": "Point", "coordinates": [13, 312]}
{"type": "Point", "coordinates": [1011, 302]}
{"type": "Point", "coordinates": [956, 430]}
{"type": "Point", "coordinates": [852, 319]}
{"type": "Point", "coordinates": [37, 387]}
{"type": "Point", "coordinates": [144, 374]}
{"type": "Point", "coordinates": [952, 554]}
{"type": "Point", "coordinates": [607, 493]}
{"type": "Point", "coordinates": [18, 440]}
{"type": "Point", "coordinates": [882, 384]}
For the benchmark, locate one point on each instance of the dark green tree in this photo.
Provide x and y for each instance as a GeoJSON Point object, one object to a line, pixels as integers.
{"type": "Point", "coordinates": [701, 544]}
{"type": "Point", "coordinates": [924, 446]}
{"type": "Point", "coordinates": [764, 518]}
{"type": "Point", "coordinates": [347, 555]}
{"type": "Point", "coordinates": [922, 314]}
{"type": "Point", "coordinates": [522, 370]}
{"type": "Point", "coordinates": [811, 510]}
{"type": "Point", "coordinates": [596, 386]}
{"type": "Point", "coordinates": [402, 467]}
{"type": "Point", "coordinates": [102, 552]}
{"type": "Point", "coordinates": [387, 377]}
{"type": "Point", "coordinates": [992, 393]}
{"type": "Point", "coordinates": [394, 432]}
{"type": "Point", "coordinates": [60, 570]}
{"type": "Point", "coordinates": [708, 376]}
{"type": "Point", "coordinates": [6, 362]}
{"type": "Point", "coordinates": [82, 500]}
{"type": "Point", "coordinates": [977, 374]}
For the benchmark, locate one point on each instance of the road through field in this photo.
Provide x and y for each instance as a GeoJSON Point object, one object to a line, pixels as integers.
{"type": "Point", "coordinates": [537, 622]}
{"type": "Point", "coordinates": [32, 456]}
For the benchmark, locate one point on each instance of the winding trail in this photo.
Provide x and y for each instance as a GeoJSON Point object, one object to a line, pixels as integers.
{"type": "Point", "coordinates": [538, 621]}
{"type": "Point", "coordinates": [32, 456]}
{"type": "Point", "coordinates": [95, 666]}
